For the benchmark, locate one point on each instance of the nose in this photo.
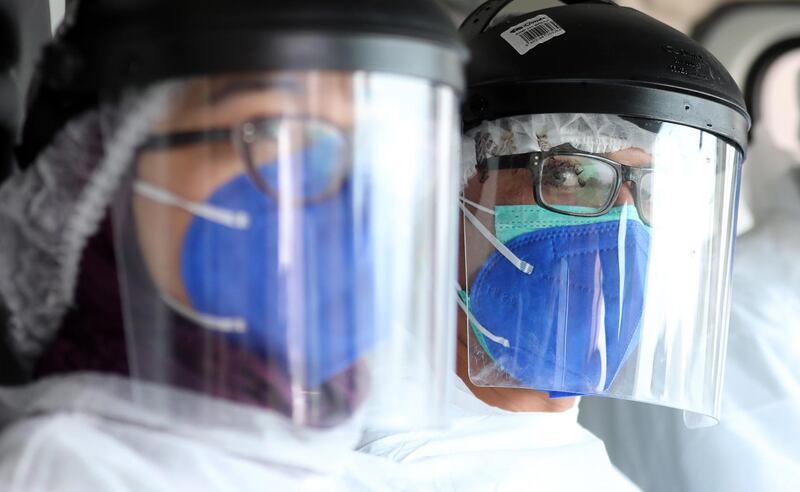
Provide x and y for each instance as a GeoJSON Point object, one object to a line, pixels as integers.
{"type": "Point", "coordinates": [625, 194]}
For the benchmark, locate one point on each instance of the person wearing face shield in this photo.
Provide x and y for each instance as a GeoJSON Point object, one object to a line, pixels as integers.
{"type": "Point", "coordinates": [206, 256]}
{"type": "Point", "coordinates": [602, 155]}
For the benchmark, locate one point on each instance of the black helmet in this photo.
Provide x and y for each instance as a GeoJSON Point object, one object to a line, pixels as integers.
{"type": "Point", "coordinates": [111, 44]}
{"type": "Point", "coordinates": [612, 60]}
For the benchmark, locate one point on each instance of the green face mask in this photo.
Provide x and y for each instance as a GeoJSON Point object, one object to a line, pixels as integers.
{"type": "Point", "coordinates": [512, 221]}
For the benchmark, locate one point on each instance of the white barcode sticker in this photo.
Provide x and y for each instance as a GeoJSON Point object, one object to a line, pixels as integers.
{"type": "Point", "coordinates": [529, 34]}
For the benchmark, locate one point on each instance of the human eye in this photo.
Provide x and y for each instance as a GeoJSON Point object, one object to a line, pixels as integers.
{"type": "Point", "coordinates": [564, 173]}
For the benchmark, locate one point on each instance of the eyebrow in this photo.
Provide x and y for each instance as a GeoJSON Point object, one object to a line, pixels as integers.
{"type": "Point", "coordinates": [238, 87]}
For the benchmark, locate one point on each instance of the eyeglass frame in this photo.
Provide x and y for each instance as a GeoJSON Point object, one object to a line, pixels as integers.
{"type": "Point", "coordinates": [533, 162]}
{"type": "Point", "coordinates": [242, 135]}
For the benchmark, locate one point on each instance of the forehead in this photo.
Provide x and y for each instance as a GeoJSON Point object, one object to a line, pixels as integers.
{"type": "Point", "coordinates": [229, 99]}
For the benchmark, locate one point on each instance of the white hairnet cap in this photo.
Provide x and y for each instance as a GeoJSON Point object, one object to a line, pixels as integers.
{"type": "Point", "coordinates": [592, 133]}
{"type": "Point", "coordinates": [49, 212]}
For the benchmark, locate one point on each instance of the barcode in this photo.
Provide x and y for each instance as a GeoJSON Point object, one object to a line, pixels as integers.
{"type": "Point", "coordinates": [531, 33]}
{"type": "Point", "coordinates": [534, 33]}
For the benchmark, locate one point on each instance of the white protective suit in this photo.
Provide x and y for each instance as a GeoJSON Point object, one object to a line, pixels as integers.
{"type": "Point", "coordinates": [85, 432]}
{"type": "Point", "coordinates": [486, 448]}
{"type": "Point", "coordinates": [756, 445]}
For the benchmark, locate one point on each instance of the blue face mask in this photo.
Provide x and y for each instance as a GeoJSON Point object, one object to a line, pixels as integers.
{"type": "Point", "coordinates": [276, 282]}
{"type": "Point", "coordinates": [558, 307]}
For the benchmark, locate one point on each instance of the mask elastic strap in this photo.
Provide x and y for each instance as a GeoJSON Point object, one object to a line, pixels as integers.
{"type": "Point", "coordinates": [479, 206]}
{"type": "Point", "coordinates": [521, 265]}
{"type": "Point", "coordinates": [471, 319]}
{"type": "Point", "coordinates": [230, 218]}
{"type": "Point", "coordinates": [213, 323]}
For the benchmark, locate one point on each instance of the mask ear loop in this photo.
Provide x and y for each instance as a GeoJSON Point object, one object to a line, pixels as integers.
{"type": "Point", "coordinates": [232, 219]}
{"type": "Point", "coordinates": [501, 248]}
{"type": "Point", "coordinates": [229, 218]}
{"type": "Point", "coordinates": [212, 323]}
{"type": "Point", "coordinates": [478, 206]}
{"type": "Point", "coordinates": [471, 319]}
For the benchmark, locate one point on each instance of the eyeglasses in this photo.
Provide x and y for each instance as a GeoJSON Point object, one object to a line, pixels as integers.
{"type": "Point", "coordinates": [570, 182]}
{"type": "Point", "coordinates": [319, 153]}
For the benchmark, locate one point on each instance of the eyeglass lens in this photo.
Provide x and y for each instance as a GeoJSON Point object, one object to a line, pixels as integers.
{"type": "Point", "coordinates": [301, 157]}
{"type": "Point", "coordinates": [582, 185]}
{"type": "Point", "coordinates": [577, 184]}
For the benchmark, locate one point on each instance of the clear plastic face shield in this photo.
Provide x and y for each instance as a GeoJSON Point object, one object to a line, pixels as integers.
{"type": "Point", "coordinates": [596, 258]}
{"type": "Point", "coordinates": [287, 241]}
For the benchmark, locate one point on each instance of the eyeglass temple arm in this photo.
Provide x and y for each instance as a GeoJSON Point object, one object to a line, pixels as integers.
{"type": "Point", "coordinates": [515, 161]}
{"type": "Point", "coordinates": [166, 141]}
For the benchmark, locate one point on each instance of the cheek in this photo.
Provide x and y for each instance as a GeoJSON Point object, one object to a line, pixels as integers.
{"type": "Point", "coordinates": [161, 230]}
{"type": "Point", "coordinates": [514, 187]}
{"type": "Point", "coordinates": [193, 174]}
